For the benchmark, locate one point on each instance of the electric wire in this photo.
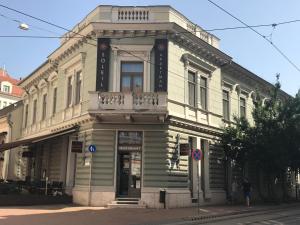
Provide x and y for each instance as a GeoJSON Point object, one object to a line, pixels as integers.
{"type": "Point", "coordinates": [90, 38]}
{"type": "Point", "coordinates": [261, 35]}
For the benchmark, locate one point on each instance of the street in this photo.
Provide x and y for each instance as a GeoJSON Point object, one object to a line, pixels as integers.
{"type": "Point", "coordinates": [283, 216]}
{"type": "Point", "coordinates": [80, 215]}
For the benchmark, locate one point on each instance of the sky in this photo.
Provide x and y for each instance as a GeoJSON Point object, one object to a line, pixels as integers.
{"type": "Point", "coordinates": [21, 56]}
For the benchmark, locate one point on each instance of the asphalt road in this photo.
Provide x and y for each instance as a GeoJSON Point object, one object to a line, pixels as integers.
{"type": "Point", "coordinates": [278, 217]}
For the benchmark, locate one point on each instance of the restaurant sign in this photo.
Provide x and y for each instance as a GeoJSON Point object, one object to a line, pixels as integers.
{"type": "Point", "coordinates": [103, 52]}
{"type": "Point", "coordinates": [161, 65]}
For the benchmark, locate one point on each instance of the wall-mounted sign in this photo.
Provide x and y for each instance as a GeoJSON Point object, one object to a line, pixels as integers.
{"type": "Point", "coordinates": [92, 148]}
{"type": "Point", "coordinates": [103, 52]}
{"type": "Point", "coordinates": [197, 154]}
{"type": "Point", "coordinates": [76, 146]}
{"type": "Point", "coordinates": [185, 149]}
{"type": "Point", "coordinates": [130, 141]}
{"type": "Point", "coordinates": [161, 65]}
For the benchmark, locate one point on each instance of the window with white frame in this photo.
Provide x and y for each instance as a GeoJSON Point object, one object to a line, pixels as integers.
{"type": "Point", "coordinates": [203, 92]}
{"type": "Point", "coordinates": [192, 88]}
{"type": "Point", "coordinates": [78, 87]}
{"type": "Point", "coordinates": [226, 113]}
{"type": "Point", "coordinates": [26, 116]}
{"type": "Point", "coordinates": [242, 107]}
{"type": "Point", "coordinates": [54, 100]}
{"type": "Point", "coordinates": [69, 91]}
{"type": "Point", "coordinates": [44, 106]}
{"type": "Point", "coordinates": [6, 88]}
{"type": "Point", "coordinates": [34, 111]}
{"type": "Point", "coordinates": [132, 76]}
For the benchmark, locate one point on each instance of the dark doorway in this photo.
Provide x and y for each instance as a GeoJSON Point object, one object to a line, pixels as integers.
{"type": "Point", "coordinates": [129, 174]}
{"type": "Point", "coordinates": [129, 164]}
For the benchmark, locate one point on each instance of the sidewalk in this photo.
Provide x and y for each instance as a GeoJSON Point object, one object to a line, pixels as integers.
{"type": "Point", "coordinates": [63, 214]}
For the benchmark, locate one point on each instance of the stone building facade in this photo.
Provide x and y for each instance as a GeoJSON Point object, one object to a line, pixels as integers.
{"type": "Point", "coordinates": [133, 87]}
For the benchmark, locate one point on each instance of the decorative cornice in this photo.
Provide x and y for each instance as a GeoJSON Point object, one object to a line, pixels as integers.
{"type": "Point", "coordinates": [194, 126]}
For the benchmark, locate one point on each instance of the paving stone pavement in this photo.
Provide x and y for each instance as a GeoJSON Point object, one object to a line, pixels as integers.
{"type": "Point", "coordinates": [78, 215]}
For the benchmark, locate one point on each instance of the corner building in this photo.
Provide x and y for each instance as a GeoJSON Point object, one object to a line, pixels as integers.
{"type": "Point", "coordinates": [137, 87]}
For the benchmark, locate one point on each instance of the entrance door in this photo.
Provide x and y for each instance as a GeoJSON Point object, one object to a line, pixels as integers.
{"type": "Point", "coordinates": [129, 174]}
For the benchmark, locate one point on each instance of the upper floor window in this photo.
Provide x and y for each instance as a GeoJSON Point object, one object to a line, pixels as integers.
{"type": "Point", "coordinates": [242, 107]}
{"type": "Point", "coordinates": [226, 105]}
{"type": "Point", "coordinates": [69, 91]}
{"type": "Point", "coordinates": [6, 88]}
{"type": "Point", "coordinates": [4, 104]}
{"type": "Point", "coordinates": [192, 88]}
{"type": "Point", "coordinates": [78, 87]}
{"type": "Point", "coordinates": [44, 106]}
{"type": "Point", "coordinates": [203, 92]}
{"type": "Point", "coordinates": [54, 100]}
{"type": "Point", "coordinates": [132, 76]}
{"type": "Point", "coordinates": [26, 116]}
{"type": "Point", "coordinates": [34, 111]}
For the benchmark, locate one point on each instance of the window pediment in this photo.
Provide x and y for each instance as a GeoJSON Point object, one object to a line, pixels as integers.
{"type": "Point", "coordinates": [198, 63]}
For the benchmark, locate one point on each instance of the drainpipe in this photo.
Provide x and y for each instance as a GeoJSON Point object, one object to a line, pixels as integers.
{"type": "Point", "coordinates": [90, 183]}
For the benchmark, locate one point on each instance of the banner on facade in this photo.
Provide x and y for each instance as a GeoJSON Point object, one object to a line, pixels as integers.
{"type": "Point", "coordinates": [161, 65]}
{"type": "Point", "coordinates": [103, 52]}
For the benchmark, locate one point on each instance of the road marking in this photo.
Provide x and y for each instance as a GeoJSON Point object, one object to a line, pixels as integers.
{"type": "Point", "coordinates": [204, 210]}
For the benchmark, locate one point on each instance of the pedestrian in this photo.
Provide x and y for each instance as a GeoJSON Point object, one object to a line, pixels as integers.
{"type": "Point", "coordinates": [247, 191]}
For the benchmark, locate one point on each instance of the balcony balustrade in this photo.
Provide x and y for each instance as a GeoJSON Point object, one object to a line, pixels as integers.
{"type": "Point", "coordinates": [126, 102]}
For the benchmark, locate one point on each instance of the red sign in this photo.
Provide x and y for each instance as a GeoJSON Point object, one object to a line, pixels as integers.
{"type": "Point", "coordinates": [197, 154]}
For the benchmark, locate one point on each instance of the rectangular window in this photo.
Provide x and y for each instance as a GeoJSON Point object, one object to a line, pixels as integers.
{"type": "Point", "coordinates": [26, 115]}
{"type": "Point", "coordinates": [203, 92]}
{"type": "Point", "coordinates": [44, 112]}
{"type": "Point", "coordinates": [34, 111]}
{"type": "Point", "coordinates": [226, 105]}
{"type": "Point", "coordinates": [242, 107]}
{"type": "Point", "coordinates": [132, 77]}
{"type": "Point", "coordinates": [6, 88]}
{"type": "Point", "coordinates": [69, 93]}
{"type": "Point", "coordinates": [192, 88]}
{"type": "Point", "coordinates": [54, 100]}
{"type": "Point", "coordinates": [4, 104]}
{"type": "Point", "coordinates": [78, 87]}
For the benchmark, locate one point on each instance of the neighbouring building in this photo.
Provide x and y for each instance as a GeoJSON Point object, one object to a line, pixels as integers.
{"type": "Point", "coordinates": [10, 93]}
{"type": "Point", "coordinates": [115, 110]}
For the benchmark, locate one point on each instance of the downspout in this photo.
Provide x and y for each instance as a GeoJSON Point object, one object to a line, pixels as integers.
{"type": "Point", "coordinates": [90, 183]}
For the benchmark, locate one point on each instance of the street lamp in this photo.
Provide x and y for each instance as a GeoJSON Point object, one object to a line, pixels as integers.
{"type": "Point", "coordinates": [23, 26]}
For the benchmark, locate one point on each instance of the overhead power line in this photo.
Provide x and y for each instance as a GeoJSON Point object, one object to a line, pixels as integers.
{"type": "Point", "coordinates": [89, 38]}
{"type": "Point", "coordinates": [261, 35]}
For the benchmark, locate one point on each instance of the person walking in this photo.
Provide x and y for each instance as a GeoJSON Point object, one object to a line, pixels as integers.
{"type": "Point", "coordinates": [247, 191]}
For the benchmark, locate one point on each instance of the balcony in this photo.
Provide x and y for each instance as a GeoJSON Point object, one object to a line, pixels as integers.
{"type": "Point", "coordinates": [131, 106]}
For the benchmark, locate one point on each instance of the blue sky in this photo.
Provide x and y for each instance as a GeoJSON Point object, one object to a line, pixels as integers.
{"type": "Point", "coordinates": [21, 56]}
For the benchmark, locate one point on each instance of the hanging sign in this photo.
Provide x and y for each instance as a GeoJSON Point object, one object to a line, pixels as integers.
{"type": "Point", "coordinates": [103, 52]}
{"type": "Point", "coordinates": [161, 65]}
{"type": "Point", "coordinates": [196, 154]}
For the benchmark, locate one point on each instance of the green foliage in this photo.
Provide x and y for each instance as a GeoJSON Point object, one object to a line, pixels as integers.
{"type": "Point", "coordinates": [273, 142]}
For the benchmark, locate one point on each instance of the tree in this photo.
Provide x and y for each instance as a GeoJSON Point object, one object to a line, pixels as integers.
{"type": "Point", "coordinates": [272, 145]}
